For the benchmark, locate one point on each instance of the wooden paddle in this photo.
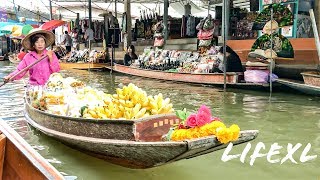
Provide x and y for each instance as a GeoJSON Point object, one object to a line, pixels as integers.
{"type": "Point", "coordinates": [23, 70]}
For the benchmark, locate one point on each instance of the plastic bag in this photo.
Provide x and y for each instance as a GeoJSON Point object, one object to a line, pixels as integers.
{"type": "Point", "coordinates": [205, 35]}
{"type": "Point", "coordinates": [158, 42]}
{"type": "Point", "coordinates": [259, 76]}
{"type": "Point", "coordinates": [205, 43]}
{"type": "Point", "coordinates": [256, 76]}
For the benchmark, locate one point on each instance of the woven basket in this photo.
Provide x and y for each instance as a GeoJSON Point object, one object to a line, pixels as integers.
{"type": "Point", "coordinates": [311, 78]}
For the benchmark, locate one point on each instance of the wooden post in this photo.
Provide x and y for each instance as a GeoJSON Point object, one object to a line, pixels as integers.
{"type": "Point", "coordinates": [128, 35]}
{"type": "Point", "coordinates": [165, 18]}
{"type": "Point", "coordinates": [317, 13]}
{"type": "Point", "coordinates": [315, 32]}
{"type": "Point", "coordinates": [50, 6]}
{"type": "Point", "coordinates": [225, 32]}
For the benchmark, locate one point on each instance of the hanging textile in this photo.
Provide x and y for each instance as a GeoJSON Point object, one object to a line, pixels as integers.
{"type": "Point", "coordinates": [124, 23]}
{"type": "Point", "coordinates": [191, 26]}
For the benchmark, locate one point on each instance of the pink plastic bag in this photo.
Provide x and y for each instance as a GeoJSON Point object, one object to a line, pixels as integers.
{"type": "Point", "coordinates": [256, 76]}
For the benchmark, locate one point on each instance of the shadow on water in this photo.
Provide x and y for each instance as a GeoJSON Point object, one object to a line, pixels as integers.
{"type": "Point", "coordinates": [287, 118]}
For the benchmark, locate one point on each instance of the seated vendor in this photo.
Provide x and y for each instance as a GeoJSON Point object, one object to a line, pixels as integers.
{"type": "Point", "coordinates": [130, 56]}
{"type": "Point", "coordinates": [233, 61]}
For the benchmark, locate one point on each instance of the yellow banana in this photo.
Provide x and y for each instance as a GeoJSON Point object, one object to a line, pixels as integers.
{"type": "Point", "coordinates": [129, 104]}
{"type": "Point", "coordinates": [154, 112]}
{"type": "Point", "coordinates": [93, 114]}
{"type": "Point", "coordinates": [140, 113]}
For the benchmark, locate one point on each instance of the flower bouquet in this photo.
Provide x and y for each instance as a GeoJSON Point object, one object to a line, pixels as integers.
{"type": "Point", "coordinates": [201, 124]}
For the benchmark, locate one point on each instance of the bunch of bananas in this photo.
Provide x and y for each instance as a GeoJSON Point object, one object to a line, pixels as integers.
{"type": "Point", "coordinates": [130, 102]}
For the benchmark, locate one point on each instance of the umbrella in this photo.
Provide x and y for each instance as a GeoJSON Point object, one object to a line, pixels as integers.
{"type": "Point", "coordinates": [282, 15]}
{"type": "Point", "coordinates": [21, 31]}
{"type": "Point", "coordinates": [50, 25]}
{"type": "Point", "coordinates": [10, 28]}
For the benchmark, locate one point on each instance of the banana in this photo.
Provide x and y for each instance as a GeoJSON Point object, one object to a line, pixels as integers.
{"type": "Point", "coordinates": [154, 112]}
{"type": "Point", "coordinates": [93, 114]}
{"type": "Point", "coordinates": [153, 105]}
{"type": "Point", "coordinates": [129, 104]}
{"type": "Point", "coordinates": [140, 114]}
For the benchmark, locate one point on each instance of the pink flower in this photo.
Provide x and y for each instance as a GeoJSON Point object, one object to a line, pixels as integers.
{"type": "Point", "coordinates": [203, 118]}
{"type": "Point", "coordinates": [204, 109]}
{"type": "Point", "coordinates": [192, 121]}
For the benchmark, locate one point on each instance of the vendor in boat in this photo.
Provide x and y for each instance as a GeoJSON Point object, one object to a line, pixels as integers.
{"type": "Point", "coordinates": [130, 56]}
{"type": "Point", "coordinates": [36, 43]}
{"type": "Point", "coordinates": [233, 61]}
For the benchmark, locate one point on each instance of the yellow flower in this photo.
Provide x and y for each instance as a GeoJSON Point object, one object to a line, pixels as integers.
{"type": "Point", "coordinates": [203, 132]}
{"type": "Point", "coordinates": [211, 128]}
{"type": "Point", "coordinates": [235, 131]}
{"type": "Point", "coordinates": [224, 135]}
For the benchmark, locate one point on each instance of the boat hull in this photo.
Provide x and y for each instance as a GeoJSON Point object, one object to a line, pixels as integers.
{"type": "Point", "coordinates": [141, 148]}
{"type": "Point", "coordinates": [303, 88]}
{"type": "Point", "coordinates": [200, 78]}
{"type": "Point", "coordinates": [82, 66]}
{"type": "Point", "coordinates": [19, 161]}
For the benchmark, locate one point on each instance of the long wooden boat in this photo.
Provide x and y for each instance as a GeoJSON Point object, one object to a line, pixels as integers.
{"type": "Point", "coordinates": [82, 66]}
{"type": "Point", "coordinates": [134, 144]}
{"type": "Point", "coordinates": [301, 87]}
{"type": "Point", "coordinates": [18, 160]}
{"type": "Point", "coordinates": [233, 80]}
{"type": "Point", "coordinates": [311, 78]}
{"type": "Point", "coordinates": [201, 78]}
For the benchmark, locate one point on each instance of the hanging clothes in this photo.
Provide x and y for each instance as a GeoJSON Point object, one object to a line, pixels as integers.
{"type": "Point", "coordinates": [183, 26]}
{"type": "Point", "coordinates": [191, 26]}
{"type": "Point", "coordinates": [124, 23]}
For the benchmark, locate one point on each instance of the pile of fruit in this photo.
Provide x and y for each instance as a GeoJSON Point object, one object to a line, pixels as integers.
{"type": "Point", "coordinates": [130, 102]}
{"type": "Point", "coordinates": [70, 97]}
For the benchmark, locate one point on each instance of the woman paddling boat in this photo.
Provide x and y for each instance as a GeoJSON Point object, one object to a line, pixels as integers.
{"type": "Point", "coordinates": [36, 42]}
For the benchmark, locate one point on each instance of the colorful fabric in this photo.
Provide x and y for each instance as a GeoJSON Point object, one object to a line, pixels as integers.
{"type": "Point", "coordinates": [40, 72]}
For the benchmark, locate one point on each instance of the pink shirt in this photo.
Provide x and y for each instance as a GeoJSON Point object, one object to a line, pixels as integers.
{"type": "Point", "coordinates": [40, 72]}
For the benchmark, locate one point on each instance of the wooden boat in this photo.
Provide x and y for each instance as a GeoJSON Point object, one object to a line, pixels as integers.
{"type": "Point", "coordinates": [301, 87]}
{"type": "Point", "coordinates": [82, 66]}
{"type": "Point", "coordinates": [200, 78]}
{"type": "Point", "coordinates": [18, 160]}
{"type": "Point", "coordinates": [311, 78]}
{"type": "Point", "coordinates": [134, 144]}
{"type": "Point", "coordinates": [215, 79]}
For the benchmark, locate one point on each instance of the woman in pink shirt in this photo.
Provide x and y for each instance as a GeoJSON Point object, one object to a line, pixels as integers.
{"type": "Point", "coordinates": [36, 42]}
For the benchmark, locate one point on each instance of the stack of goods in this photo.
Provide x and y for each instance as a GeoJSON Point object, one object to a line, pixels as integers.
{"type": "Point", "coordinates": [178, 61]}
{"type": "Point", "coordinates": [206, 34]}
{"type": "Point", "coordinates": [158, 35]}
{"type": "Point", "coordinates": [97, 57]}
{"type": "Point", "coordinates": [201, 124]}
{"type": "Point", "coordinates": [70, 97]}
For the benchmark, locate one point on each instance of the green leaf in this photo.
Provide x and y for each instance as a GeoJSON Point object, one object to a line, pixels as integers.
{"type": "Point", "coordinates": [188, 114]}
{"type": "Point", "coordinates": [82, 109]}
{"type": "Point", "coordinates": [181, 114]}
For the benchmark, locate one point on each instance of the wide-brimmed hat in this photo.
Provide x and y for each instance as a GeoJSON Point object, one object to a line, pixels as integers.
{"type": "Point", "coordinates": [26, 41]}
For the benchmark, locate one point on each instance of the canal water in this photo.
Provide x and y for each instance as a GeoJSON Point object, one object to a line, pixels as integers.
{"type": "Point", "coordinates": [282, 118]}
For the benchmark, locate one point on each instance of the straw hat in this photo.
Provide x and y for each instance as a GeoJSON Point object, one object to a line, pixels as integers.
{"type": "Point", "coordinates": [26, 42]}
{"type": "Point", "coordinates": [270, 27]}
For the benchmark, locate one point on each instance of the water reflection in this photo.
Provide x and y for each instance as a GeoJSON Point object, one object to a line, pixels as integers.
{"type": "Point", "coordinates": [287, 118]}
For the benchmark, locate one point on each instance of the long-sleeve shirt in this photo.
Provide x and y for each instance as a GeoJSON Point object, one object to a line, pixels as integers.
{"type": "Point", "coordinates": [40, 72]}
